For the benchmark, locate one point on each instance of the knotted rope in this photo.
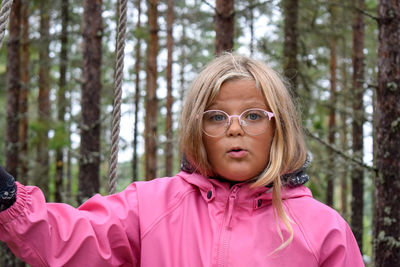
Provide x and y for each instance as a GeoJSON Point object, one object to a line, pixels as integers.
{"type": "Point", "coordinates": [4, 17]}
{"type": "Point", "coordinates": [117, 95]}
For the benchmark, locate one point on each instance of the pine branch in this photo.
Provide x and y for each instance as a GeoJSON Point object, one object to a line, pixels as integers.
{"type": "Point", "coordinates": [367, 14]}
{"type": "Point", "coordinates": [251, 6]}
{"type": "Point", "coordinates": [210, 5]}
{"type": "Point", "coordinates": [340, 152]}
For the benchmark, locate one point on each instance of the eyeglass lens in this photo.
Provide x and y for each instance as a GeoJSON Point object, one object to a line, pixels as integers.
{"type": "Point", "coordinates": [253, 121]}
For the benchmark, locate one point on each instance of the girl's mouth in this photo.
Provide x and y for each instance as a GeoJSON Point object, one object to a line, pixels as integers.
{"type": "Point", "coordinates": [237, 153]}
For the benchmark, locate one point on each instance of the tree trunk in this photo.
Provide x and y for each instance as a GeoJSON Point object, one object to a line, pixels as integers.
{"type": "Point", "coordinates": [41, 177]}
{"type": "Point", "coordinates": [224, 25]}
{"type": "Point", "coordinates": [182, 64]}
{"type": "Point", "coordinates": [357, 173]}
{"type": "Point", "coordinates": [332, 109]}
{"type": "Point", "coordinates": [251, 3]}
{"type": "Point", "coordinates": [12, 122]}
{"type": "Point", "coordinates": [169, 154]}
{"type": "Point", "coordinates": [135, 163]}
{"type": "Point", "coordinates": [13, 77]}
{"type": "Point", "coordinates": [89, 161]}
{"type": "Point", "coordinates": [344, 132]}
{"type": "Point", "coordinates": [387, 206]}
{"type": "Point", "coordinates": [290, 65]}
{"type": "Point", "coordinates": [68, 174]}
{"type": "Point", "coordinates": [151, 97]}
{"type": "Point", "coordinates": [374, 175]}
{"type": "Point", "coordinates": [23, 104]}
{"type": "Point", "coordinates": [61, 101]}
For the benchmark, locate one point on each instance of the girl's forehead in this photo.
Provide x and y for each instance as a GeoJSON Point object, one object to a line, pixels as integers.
{"type": "Point", "coordinates": [239, 92]}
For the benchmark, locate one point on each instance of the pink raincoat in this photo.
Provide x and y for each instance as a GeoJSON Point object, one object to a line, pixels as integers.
{"type": "Point", "coordinates": [186, 220]}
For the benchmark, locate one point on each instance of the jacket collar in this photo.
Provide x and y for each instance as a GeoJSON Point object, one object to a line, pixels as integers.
{"type": "Point", "coordinates": [218, 190]}
{"type": "Point", "coordinates": [292, 179]}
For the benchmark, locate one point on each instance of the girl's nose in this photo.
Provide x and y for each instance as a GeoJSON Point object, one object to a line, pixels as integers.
{"type": "Point", "coordinates": [235, 129]}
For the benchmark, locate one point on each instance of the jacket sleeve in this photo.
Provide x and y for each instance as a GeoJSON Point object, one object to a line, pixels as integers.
{"type": "Point", "coordinates": [339, 247]}
{"type": "Point", "coordinates": [104, 231]}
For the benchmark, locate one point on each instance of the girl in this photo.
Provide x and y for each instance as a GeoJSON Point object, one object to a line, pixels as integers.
{"type": "Point", "coordinates": [238, 201]}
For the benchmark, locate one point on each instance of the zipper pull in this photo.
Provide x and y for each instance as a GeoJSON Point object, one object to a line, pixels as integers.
{"type": "Point", "coordinates": [232, 198]}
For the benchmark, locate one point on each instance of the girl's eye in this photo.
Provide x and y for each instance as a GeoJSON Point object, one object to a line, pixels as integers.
{"type": "Point", "coordinates": [214, 117]}
{"type": "Point", "coordinates": [253, 116]}
{"type": "Point", "coordinates": [218, 117]}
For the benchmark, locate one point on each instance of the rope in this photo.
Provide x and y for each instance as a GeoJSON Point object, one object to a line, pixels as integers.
{"type": "Point", "coordinates": [4, 17]}
{"type": "Point", "coordinates": [119, 68]}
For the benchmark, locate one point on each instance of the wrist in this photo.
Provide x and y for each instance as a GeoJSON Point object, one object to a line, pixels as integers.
{"type": "Point", "coordinates": [8, 190]}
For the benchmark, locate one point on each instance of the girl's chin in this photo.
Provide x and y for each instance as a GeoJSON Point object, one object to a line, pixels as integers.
{"type": "Point", "coordinates": [237, 177]}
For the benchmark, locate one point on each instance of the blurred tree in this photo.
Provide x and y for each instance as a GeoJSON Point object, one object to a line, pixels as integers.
{"type": "Point", "coordinates": [41, 177]}
{"type": "Point", "coordinates": [89, 161]}
{"type": "Point", "coordinates": [332, 105]}
{"type": "Point", "coordinates": [13, 94]}
{"type": "Point", "coordinates": [25, 86]}
{"type": "Point", "coordinates": [224, 25]}
{"type": "Point", "coordinates": [343, 117]}
{"type": "Point", "coordinates": [13, 89]}
{"type": "Point", "coordinates": [169, 153]}
{"type": "Point", "coordinates": [357, 172]}
{"type": "Point", "coordinates": [62, 102]}
{"type": "Point", "coordinates": [138, 60]}
{"type": "Point", "coordinates": [290, 64]}
{"type": "Point", "coordinates": [151, 96]}
{"type": "Point", "coordinates": [387, 206]}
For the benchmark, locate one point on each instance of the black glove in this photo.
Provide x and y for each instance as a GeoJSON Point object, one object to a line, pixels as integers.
{"type": "Point", "coordinates": [8, 190]}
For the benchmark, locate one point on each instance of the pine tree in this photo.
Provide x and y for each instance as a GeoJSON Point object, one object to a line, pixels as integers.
{"type": "Point", "coordinates": [387, 206]}
{"type": "Point", "coordinates": [224, 25]}
{"type": "Point", "coordinates": [151, 95]}
{"type": "Point", "coordinates": [89, 161]}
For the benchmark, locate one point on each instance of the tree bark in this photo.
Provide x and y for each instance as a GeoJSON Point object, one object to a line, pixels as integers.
{"type": "Point", "coordinates": [135, 163]}
{"type": "Point", "coordinates": [357, 173]}
{"type": "Point", "coordinates": [224, 25]}
{"type": "Point", "coordinates": [251, 3]}
{"type": "Point", "coordinates": [23, 104]}
{"type": "Point", "coordinates": [182, 63]}
{"type": "Point", "coordinates": [387, 206]}
{"type": "Point", "coordinates": [344, 131]}
{"type": "Point", "coordinates": [183, 58]}
{"type": "Point", "coordinates": [41, 178]}
{"type": "Point", "coordinates": [151, 97]}
{"type": "Point", "coordinates": [61, 101]}
{"type": "Point", "coordinates": [290, 64]}
{"type": "Point", "coordinates": [332, 109]}
{"type": "Point", "coordinates": [89, 161]}
{"type": "Point", "coordinates": [13, 77]}
{"type": "Point", "coordinates": [169, 154]}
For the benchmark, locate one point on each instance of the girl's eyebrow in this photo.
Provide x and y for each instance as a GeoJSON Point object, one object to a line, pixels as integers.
{"type": "Point", "coordinates": [212, 107]}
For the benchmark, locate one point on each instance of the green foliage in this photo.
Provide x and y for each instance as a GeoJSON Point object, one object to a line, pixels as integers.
{"type": "Point", "coordinates": [60, 138]}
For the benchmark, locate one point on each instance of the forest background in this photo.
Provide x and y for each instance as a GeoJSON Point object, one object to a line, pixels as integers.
{"type": "Point", "coordinates": [57, 72]}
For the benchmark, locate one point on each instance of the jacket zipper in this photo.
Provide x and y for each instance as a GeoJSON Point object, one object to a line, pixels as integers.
{"type": "Point", "coordinates": [226, 229]}
{"type": "Point", "coordinates": [232, 198]}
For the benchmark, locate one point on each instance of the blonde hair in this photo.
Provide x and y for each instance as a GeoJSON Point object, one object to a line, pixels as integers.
{"type": "Point", "coordinates": [288, 151]}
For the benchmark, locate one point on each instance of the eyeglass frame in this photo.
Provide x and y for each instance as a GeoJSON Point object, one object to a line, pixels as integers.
{"type": "Point", "coordinates": [270, 116]}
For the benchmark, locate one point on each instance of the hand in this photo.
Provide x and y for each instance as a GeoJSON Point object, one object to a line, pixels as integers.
{"type": "Point", "coordinates": [8, 190]}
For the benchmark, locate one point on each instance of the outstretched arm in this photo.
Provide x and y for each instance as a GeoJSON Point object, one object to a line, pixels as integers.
{"type": "Point", "coordinates": [104, 231]}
